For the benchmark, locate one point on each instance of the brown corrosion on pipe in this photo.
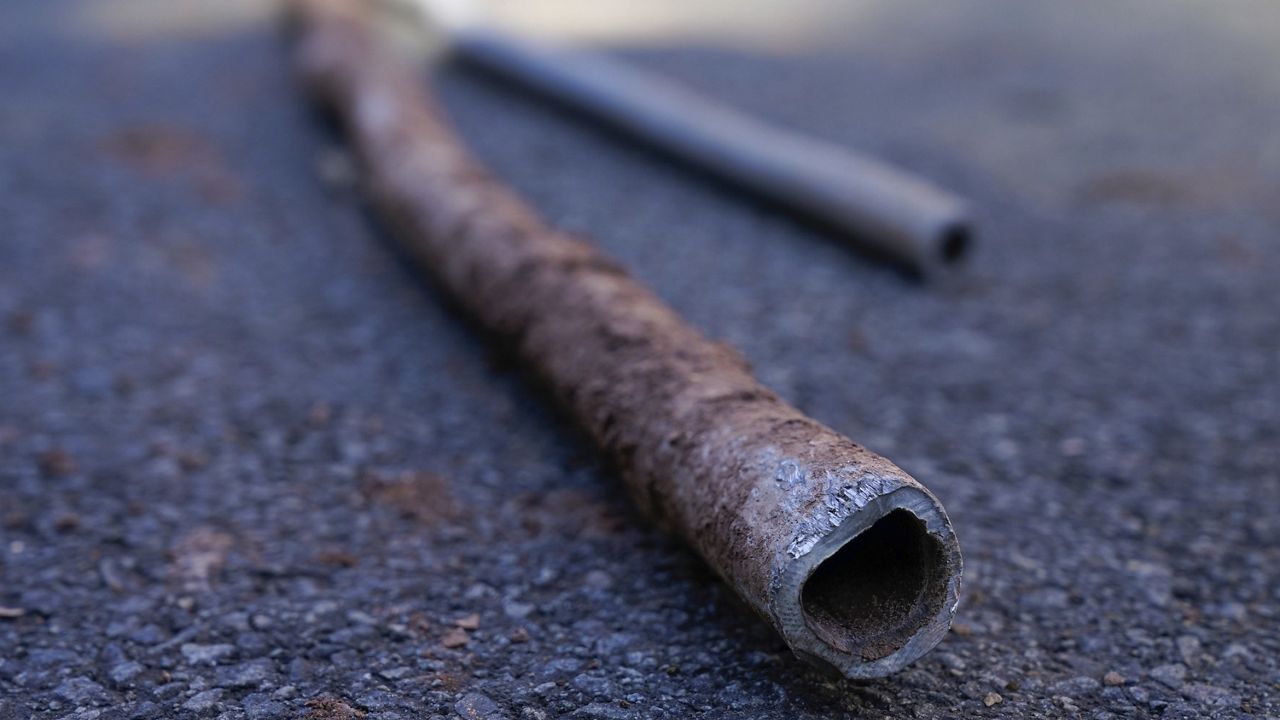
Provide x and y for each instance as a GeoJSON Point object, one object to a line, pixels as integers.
{"type": "Point", "coordinates": [848, 557]}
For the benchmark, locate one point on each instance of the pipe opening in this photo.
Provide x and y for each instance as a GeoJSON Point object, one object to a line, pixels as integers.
{"type": "Point", "coordinates": [954, 243]}
{"type": "Point", "coordinates": [875, 593]}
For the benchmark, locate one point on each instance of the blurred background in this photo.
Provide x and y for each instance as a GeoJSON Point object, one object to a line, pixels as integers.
{"type": "Point", "coordinates": [253, 466]}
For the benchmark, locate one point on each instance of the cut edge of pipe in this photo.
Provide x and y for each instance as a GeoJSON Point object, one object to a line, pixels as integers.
{"type": "Point", "coordinates": [877, 592]}
{"type": "Point", "coordinates": [955, 241]}
{"type": "Point", "coordinates": [943, 246]}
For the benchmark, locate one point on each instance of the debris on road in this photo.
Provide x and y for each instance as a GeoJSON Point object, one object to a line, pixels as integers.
{"type": "Point", "coordinates": [848, 557]}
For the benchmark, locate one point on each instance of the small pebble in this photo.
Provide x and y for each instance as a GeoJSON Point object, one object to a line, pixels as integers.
{"type": "Point", "coordinates": [395, 673]}
{"type": "Point", "coordinates": [992, 699]}
{"type": "Point", "coordinates": [1212, 697]}
{"type": "Point", "coordinates": [517, 610]}
{"type": "Point", "coordinates": [80, 690]}
{"type": "Point", "coordinates": [246, 675]}
{"type": "Point", "coordinates": [1170, 675]}
{"type": "Point", "coordinates": [474, 706]}
{"type": "Point", "coordinates": [1189, 649]}
{"type": "Point", "coordinates": [455, 638]}
{"type": "Point", "coordinates": [1075, 687]}
{"type": "Point", "coordinates": [124, 672]}
{"type": "Point", "coordinates": [204, 701]}
{"type": "Point", "coordinates": [197, 654]}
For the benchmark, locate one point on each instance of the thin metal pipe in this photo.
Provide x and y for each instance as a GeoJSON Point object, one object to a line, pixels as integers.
{"type": "Point", "coordinates": [878, 208]}
{"type": "Point", "coordinates": [848, 557]}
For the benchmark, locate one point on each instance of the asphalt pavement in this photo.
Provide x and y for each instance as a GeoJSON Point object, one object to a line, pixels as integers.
{"type": "Point", "coordinates": [253, 466]}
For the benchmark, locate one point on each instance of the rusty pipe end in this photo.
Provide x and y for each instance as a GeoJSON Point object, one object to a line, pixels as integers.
{"type": "Point", "coordinates": [878, 591]}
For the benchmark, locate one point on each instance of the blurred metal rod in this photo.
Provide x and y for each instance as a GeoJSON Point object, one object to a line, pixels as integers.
{"type": "Point", "coordinates": [880, 209]}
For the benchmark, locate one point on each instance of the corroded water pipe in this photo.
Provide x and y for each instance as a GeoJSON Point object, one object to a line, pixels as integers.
{"type": "Point", "coordinates": [848, 557]}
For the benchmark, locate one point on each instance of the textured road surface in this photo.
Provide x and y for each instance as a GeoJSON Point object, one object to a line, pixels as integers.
{"type": "Point", "coordinates": [252, 467]}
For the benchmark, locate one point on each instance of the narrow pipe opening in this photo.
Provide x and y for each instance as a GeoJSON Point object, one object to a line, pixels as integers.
{"type": "Point", "coordinates": [875, 593]}
{"type": "Point", "coordinates": [954, 244]}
